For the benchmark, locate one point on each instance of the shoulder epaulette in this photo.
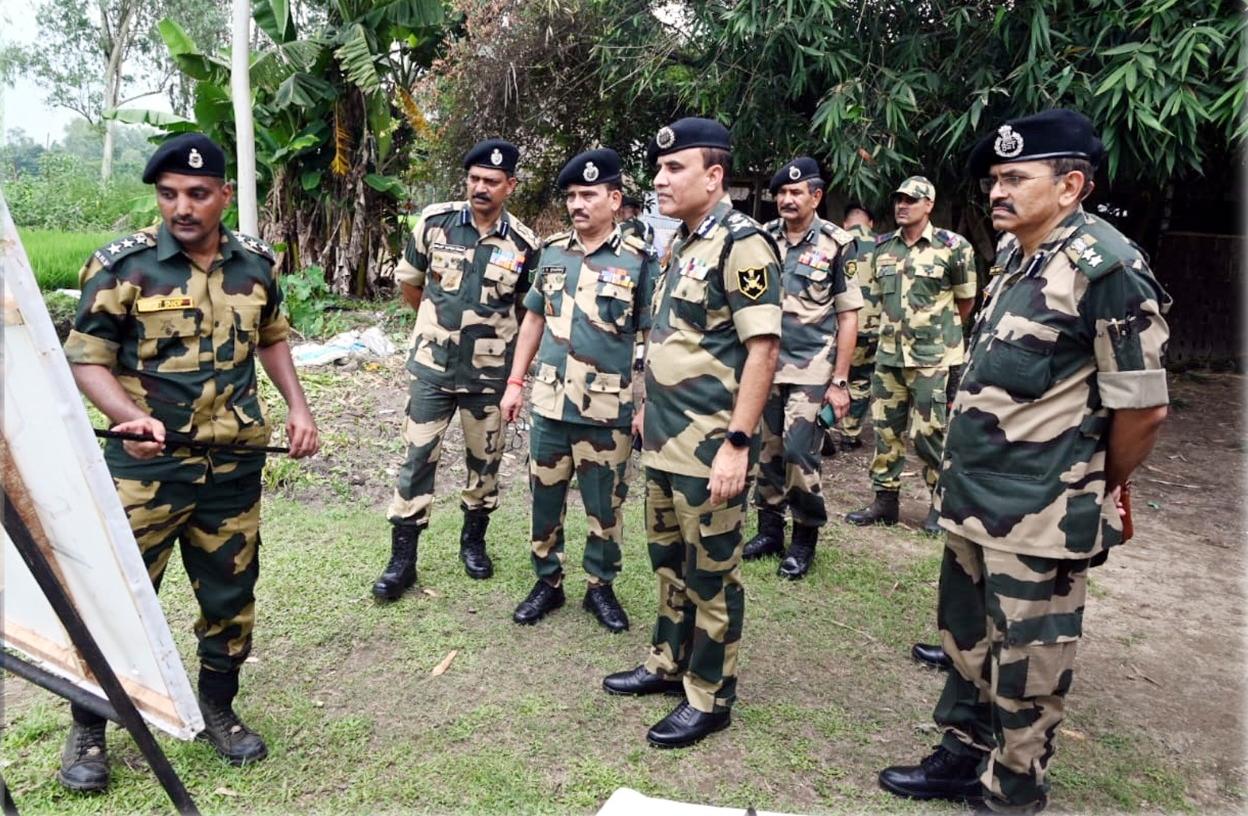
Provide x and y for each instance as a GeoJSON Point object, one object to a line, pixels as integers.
{"type": "Point", "coordinates": [836, 233]}
{"type": "Point", "coordinates": [556, 238]}
{"type": "Point", "coordinates": [1097, 249]}
{"type": "Point", "coordinates": [110, 254]}
{"type": "Point", "coordinates": [442, 208]}
{"type": "Point", "coordinates": [257, 246]}
{"type": "Point", "coordinates": [773, 226]}
{"type": "Point", "coordinates": [741, 225]}
{"type": "Point", "coordinates": [949, 238]}
{"type": "Point", "coordinates": [524, 233]}
{"type": "Point", "coordinates": [885, 237]}
{"type": "Point", "coordinates": [636, 244]}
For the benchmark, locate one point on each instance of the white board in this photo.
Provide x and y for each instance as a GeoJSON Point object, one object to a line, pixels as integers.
{"type": "Point", "coordinates": [53, 469]}
{"type": "Point", "coordinates": [628, 802]}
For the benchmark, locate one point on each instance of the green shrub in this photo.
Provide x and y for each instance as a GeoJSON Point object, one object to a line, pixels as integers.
{"type": "Point", "coordinates": [66, 194]}
{"type": "Point", "coordinates": [57, 256]}
{"type": "Point", "coordinates": [310, 303]}
{"type": "Point", "coordinates": [62, 309]}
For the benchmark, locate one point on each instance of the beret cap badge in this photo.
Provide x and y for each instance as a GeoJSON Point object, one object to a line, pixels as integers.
{"type": "Point", "coordinates": [591, 172]}
{"type": "Point", "coordinates": [496, 158]}
{"type": "Point", "coordinates": [795, 172]}
{"type": "Point", "coordinates": [1008, 144]}
{"type": "Point", "coordinates": [665, 138]}
{"type": "Point", "coordinates": [195, 160]}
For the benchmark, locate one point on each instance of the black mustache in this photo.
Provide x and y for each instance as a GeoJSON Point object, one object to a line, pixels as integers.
{"type": "Point", "coordinates": [579, 214]}
{"type": "Point", "coordinates": [186, 222]}
{"type": "Point", "coordinates": [481, 197]}
{"type": "Point", "coordinates": [1003, 205]}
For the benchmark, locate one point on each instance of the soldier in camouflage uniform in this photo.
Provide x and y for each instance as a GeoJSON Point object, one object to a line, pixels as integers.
{"type": "Point", "coordinates": [820, 326]}
{"type": "Point", "coordinates": [1062, 398]}
{"type": "Point", "coordinates": [631, 222]}
{"type": "Point", "coordinates": [589, 304]}
{"type": "Point", "coordinates": [925, 278]}
{"type": "Point", "coordinates": [465, 270]}
{"type": "Point", "coordinates": [712, 352]}
{"type": "Point", "coordinates": [171, 321]}
{"type": "Point", "coordinates": [860, 223]}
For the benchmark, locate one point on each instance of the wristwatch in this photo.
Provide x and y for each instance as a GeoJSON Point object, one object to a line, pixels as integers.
{"type": "Point", "coordinates": [840, 382]}
{"type": "Point", "coordinates": [738, 439]}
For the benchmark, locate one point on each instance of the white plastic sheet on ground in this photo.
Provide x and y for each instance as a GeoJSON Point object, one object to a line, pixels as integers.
{"type": "Point", "coordinates": [628, 802]}
{"type": "Point", "coordinates": [368, 343]}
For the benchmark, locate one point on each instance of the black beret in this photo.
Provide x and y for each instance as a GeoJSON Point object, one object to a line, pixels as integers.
{"type": "Point", "coordinates": [591, 167]}
{"type": "Point", "coordinates": [858, 205]}
{"type": "Point", "coordinates": [495, 154]}
{"type": "Point", "coordinates": [686, 133]}
{"type": "Point", "coordinates": [632, 201]}
{"type": "Point", "coordinates": [189, 154]}
{"type": "Point", "coordinates": [803, 168]}
{"type": "Point", "coordinates": [1052, 134]}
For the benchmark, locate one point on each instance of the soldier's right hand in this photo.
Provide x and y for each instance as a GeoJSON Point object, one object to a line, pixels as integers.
{"type": "Point", "coordinates": [147, 426]}
{"type": "Point", "coordinates": [513, 399]}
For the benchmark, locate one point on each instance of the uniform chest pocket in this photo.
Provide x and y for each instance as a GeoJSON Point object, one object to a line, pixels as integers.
{"type": "Point", "coordinates": [1021, 364]}
{"type": "Point", "coordinates": [886, 277]}
{"type": "Point", "coordinates": [814, 285]}
{"type": "Point", "coordinates": [552, 285]}
{"type": "Point", "coordinates": [245, 331]}
{"type": "Point", "coordinates": [169, 340]}
{"type": "Point", "coordinates": [447, 265]}
{"type": "Point", "coordinates": [500, 281]}
{"type": "Point", "coordinates": [689, 300]}
{"type": "Point", "coordinates": [923, 270]}
{"type": "Point", "coordinates": [615, 306]}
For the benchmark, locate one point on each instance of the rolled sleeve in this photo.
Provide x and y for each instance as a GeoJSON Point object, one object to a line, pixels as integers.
{"type": "Point", "coordinates": [758, 314]}
{"type": "Point", "coordinates": [274, 325]}
{"type": "Point", "coordinates": [99, 323]}
{"type": "Point", "coordinates": [963, 277]}
{"type": "Point", "coordinates": [86, 349]}
{"type": "Point", "coordinates": [1130, 341]}
{"type": "Point", "coordinates": [534, 300]}
{"type": "Point", "coordinates": [1133, 389]}
{"type": "Point", "coordinates": [415, 261]}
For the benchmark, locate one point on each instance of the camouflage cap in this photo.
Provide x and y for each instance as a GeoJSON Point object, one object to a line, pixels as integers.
{"type": "Point", "coordinates": [917, 187]}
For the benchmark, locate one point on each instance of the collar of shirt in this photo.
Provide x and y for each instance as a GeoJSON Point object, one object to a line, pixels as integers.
{"type": "Point", "coordinates": [717, 213]}
{"type": "Point", "coordinates": [613, 243]}
{"type": "Point", "coordinates": [811, 237]}
{"type": "Point", "coordinates": [167, 246]}
{"type": "Point", "coordinates": [1055, 239]}
{"type": "Point", "coordinates": [500, 227]}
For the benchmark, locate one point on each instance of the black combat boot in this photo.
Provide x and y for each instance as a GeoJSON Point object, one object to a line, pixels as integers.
{"type": "Point", "coordinates": [770, 537]}
{"type": "Point", "coordinates": [472, 552]}
{"type": "Point", "coordinates": [542, 599]}
{"type": "Point", "coordinates": [931, 524]}
{"type": "Point", "coordinates": [600, 599]}
{"type": "Point", "coordinates": [942, 775]}
{"type": "Point", "coordinates": [881, 511]}
{"type": "Point", "coordinates": [237, 743]}
{"type": "Point", "coordinates": [851, 443]}
{"type": "Point", "coordinates": [801, 552]}
{"type": "Point", "coordinates": [829, 445]}
{"type": "Point", "coordinates": [931, 654]}
{"type": "Point", "coordinates": [400, 573]}
{"type": "Point", "coordinates": [84, 760]}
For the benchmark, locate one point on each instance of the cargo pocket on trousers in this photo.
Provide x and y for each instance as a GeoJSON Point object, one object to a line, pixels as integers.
{"type": "Point", "coordinates": [1037, 657]}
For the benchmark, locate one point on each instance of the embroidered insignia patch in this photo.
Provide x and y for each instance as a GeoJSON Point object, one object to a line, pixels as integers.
{"type": "Point", "coordinates": [752, 282]}
{"type": "Point", "coordinates": [851, 268]}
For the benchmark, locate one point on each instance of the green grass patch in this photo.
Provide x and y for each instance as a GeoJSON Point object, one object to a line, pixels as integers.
{"type": "Point", "coordinates": [57, 256]}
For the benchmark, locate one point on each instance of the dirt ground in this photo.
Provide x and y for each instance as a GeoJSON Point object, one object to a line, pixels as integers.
{"type": "Point", "coordinates": [1165, 628]}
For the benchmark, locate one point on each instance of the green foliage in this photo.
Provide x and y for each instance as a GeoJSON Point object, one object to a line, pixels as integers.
{"type": "Point", "coordinates": [62, 309]}
{"type": "Point", "coordinates": [307, 298]}
{"type": "Point", "coordinates": [66, 194]}
{"type": "Point", "coordinates": [57, 256]}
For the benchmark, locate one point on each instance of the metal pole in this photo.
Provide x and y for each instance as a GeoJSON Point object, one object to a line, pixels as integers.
{"type": "Point", "coordinates": [81, 637]}
{"type": "Point", "coordinates": [244, 131]}
{"type": "Point", "coordinates": [58, 686]}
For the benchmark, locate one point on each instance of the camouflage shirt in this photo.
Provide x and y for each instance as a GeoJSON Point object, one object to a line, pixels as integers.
{"type": "Point", "coordinates": [636, 226]}
{"type": "Point", "coordinates": [594, 306]}
{"type": "Point", "coordinates": [181, 341]}
{"type": "Point", "coordinates": [1065, 338]}
{"type": "Point", "coordinates": [858, 267]}
{"type": "Point", "coordinates": [917, 285]}
{"type": "Point", "coordinates": [466, 325]}
{"type": "Point", "coordinates": [815, 291]}
{"type": "Point", "coordinates": [720, 288]}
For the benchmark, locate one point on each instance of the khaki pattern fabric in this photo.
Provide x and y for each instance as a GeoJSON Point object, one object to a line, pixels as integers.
{"type": "Point", "coordinates": [597, 457]}
{"type": "Point", "coordinates": [181, 341]}
{"type": "Point", "coordinates": [791, 456]}
{"type": "Point", "coordinates": [595, 308]}
{"type": "Point", "coordinates": [640, 229]}
{"type": "Point", "coordinates": [720, 288]}
{"type": "Point", "coordinates": [217, 524]}
{"type": "Point", "coordinates": [859, 268]}
{"type": "Point", "coordinates": [861, 369]}
{"type": "Point", "coordinates": [1011, 624]}
{"type": "Point", "coordinates": [695, 550]}
{"type": "Point", "coordinates": [917, 286]}
{"type": "Point", "coordinates": [913, 398]}
{"type": "Point", "coordinates": [817, 287]}
{"type": "Point", "coordinates": [1066, 337]}
{"type": "Point", "coordinates": [467, 321]}
{"type": "Point", "coordinates": [429, 412]}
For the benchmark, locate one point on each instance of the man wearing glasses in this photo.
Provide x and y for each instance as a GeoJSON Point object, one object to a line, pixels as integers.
{"type": "Point", "coordinates": [1062, 398]}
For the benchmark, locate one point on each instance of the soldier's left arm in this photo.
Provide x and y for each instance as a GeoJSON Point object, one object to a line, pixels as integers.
{"type": "Point", "coordinates": [1125, 309]}
{"type": "Point", "coordinates": [965, 282]}
{"type": "Point", "coordinates": [847, 301]}
{"type": "Point", "coordinates": [273, 349]}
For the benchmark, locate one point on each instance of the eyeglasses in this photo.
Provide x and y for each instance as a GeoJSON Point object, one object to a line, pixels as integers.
{"type": "Point", "coordinates": [1008, 182]}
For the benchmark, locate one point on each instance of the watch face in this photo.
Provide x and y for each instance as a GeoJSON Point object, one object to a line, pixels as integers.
{"type": "Point", "coordinates": [738, 439]}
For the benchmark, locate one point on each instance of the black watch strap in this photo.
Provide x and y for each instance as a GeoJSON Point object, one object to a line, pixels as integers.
{"type": "Point", "coordinates": [738, 439]}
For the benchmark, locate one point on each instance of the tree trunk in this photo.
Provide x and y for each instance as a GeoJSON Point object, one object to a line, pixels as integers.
{"type": "Point", "coordinates": [115, 44]}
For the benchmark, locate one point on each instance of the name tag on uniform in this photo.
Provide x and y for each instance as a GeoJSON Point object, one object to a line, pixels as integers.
{"type": "Point", "coordinates": [506, 259]}
{"type": "Point", "coordinates": [160, 304]}
{"type": "Point", "coordinates": [619, 277]}
{"type": "Point", "coordinates": [695, 268]}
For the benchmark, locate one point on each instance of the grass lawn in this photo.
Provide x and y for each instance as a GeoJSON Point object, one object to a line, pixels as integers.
{"type": "Point", "coordinates": [57, 256]}
{"type": "Point", "coordinates": [341, 688]}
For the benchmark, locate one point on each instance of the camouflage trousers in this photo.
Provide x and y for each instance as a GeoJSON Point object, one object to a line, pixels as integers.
{"type": "Point", "coordinates": [429, 412]}
{"type": "Point", "coordinates": [861, 367]}
{"type": "Point", "coordinates": [1011, 623]}
{"type": "Point", "coordinates": [695, 550]}
{"type": "Point", "coordinates": [218, 527]}
{"type": "Point", "coordinates": [598, 457]}
{"type": "Point", "coordinates": [790, 457]}
{"type": "Point", "coordinates": [907, 395]}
